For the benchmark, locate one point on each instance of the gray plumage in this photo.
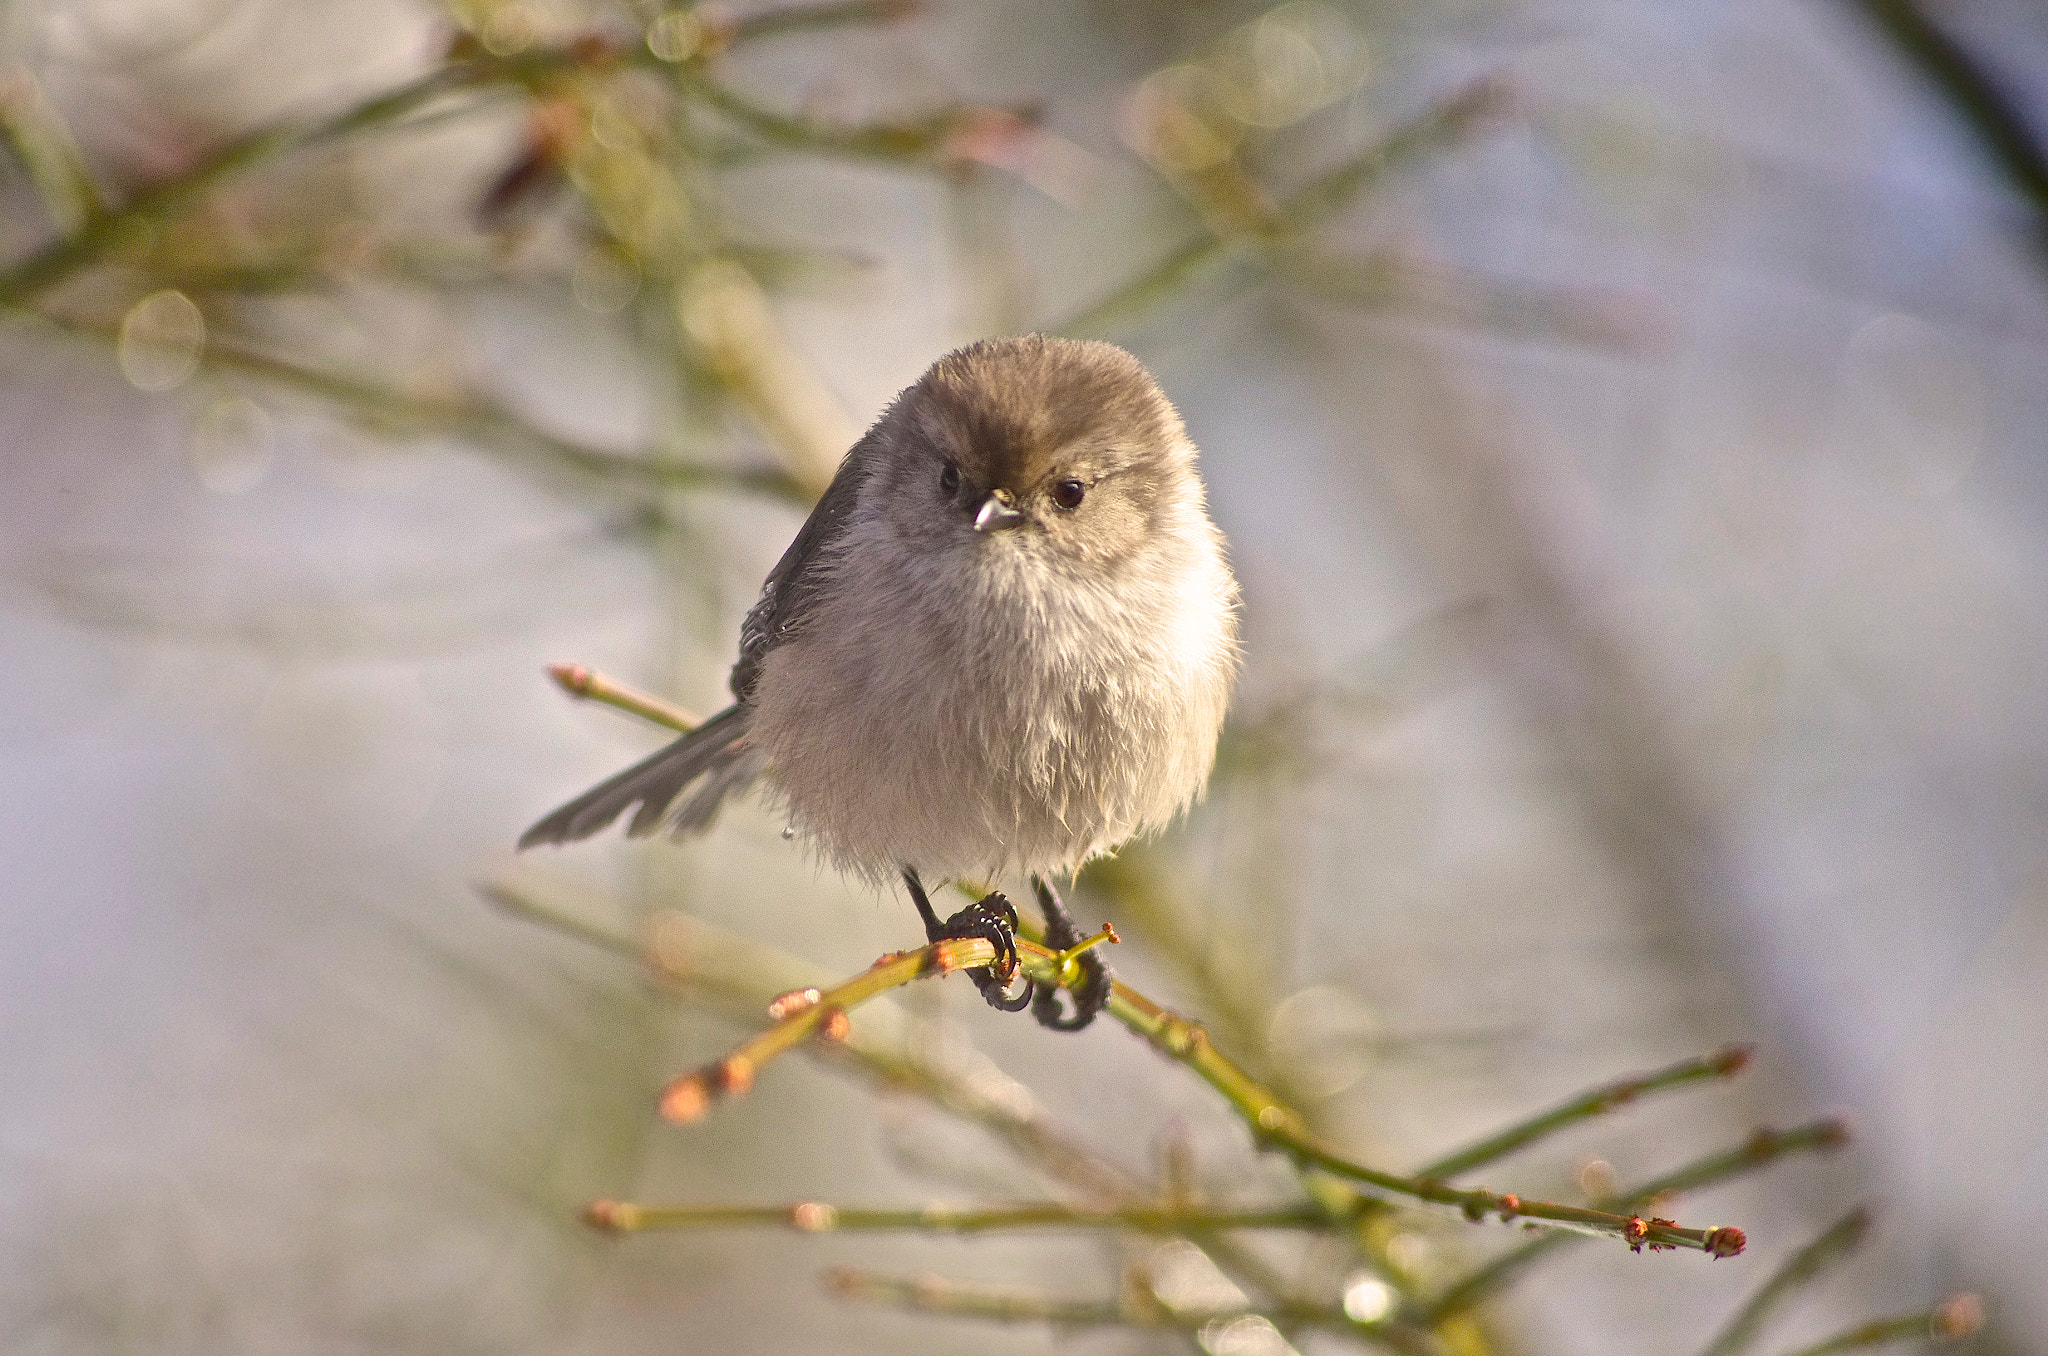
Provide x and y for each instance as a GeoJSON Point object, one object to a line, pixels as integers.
{"type": "Point", "coordinates": [954, 669]}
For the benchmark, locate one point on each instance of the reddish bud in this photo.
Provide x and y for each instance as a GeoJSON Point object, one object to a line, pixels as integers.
{"type": "Point", "coordinates": [1958, 1317]}
{"type": "Point", "coordinates": [1634, 1232]}
{"type": "Point", "coordinates": [1726, 1242]}
{"type": "Point", "coordinates": [813, 1217]}
{"type": "Point", "coordinates": [1730, 1059]}
{"type": "Point", "coordinates": [791, 1003]}
{"type": "Point", "coordinates": [834, 1025]}
{"type": "Point", "coordinates": [573, 678]}
{"type": "Point", "coordinates": [1510, 1206]}
{"type": "Point", "coordinates": [735, 1075]}
{"type": "Point", "coordinates": [685, 1100]}
{"type": "Point", "coordinates": [615, 1216]}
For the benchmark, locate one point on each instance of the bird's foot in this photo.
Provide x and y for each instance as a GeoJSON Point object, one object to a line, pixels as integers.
{"type": "Point", "coordinates": [1092, 994]}
{"type": "Point", "coordinates": [993, 919]}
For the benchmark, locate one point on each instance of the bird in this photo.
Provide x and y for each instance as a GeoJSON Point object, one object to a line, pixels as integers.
{"type": "Point", "coordinates": [1003, 642]}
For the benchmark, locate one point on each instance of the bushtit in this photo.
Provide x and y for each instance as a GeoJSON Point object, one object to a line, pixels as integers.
{"type": "Point", "coordinates": [1002, 642]}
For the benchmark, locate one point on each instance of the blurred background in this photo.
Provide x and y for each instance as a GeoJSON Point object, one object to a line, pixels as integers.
{"type": "Point", "coordinates": [1628, 421]}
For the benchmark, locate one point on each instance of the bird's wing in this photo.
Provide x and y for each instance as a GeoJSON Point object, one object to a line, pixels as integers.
{"type": "Point", "coordinates": [794, 585]}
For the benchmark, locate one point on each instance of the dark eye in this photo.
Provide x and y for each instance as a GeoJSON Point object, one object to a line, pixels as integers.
{"type": "Point", "coordinates": [949, 480]}
{"type": "Point", "coordinates": [1068, 493]}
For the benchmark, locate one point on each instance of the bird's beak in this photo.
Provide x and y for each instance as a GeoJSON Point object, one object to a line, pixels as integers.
{"type": "Point", "coordinates": [997, 512]}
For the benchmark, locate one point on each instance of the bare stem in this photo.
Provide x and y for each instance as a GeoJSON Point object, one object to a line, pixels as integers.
{"type": "Point", "coordinates": [1597, 1102]}
{"type": "Point", "coordinates": [1273, 1124]}
{"type": "Point", "coordinates": [1837, 1241]}
{"type": "Point", "coordinates": [741, 975]}
{"type": "Point", "coordinates": [821, 1013]}
{"type": "Point", "coordinates": [934, 1295]}
{"type": "Point", "coordinates": [467, 419]}
{"type": "Point", "coordinates": [769, 23]}
{"type": "Point", "coordinates": [1951, 1321]}
{"type": "Point", "coordinates": [1759, 1150]}
{"type": "Point", "coordinates": [815, 1217]}
{"type": "Point", "coordinates": [61, 258]}
{"type": "Point", "coordinates": [1442, 123]}
{"type": "Point", "coordinates": [590, 685]}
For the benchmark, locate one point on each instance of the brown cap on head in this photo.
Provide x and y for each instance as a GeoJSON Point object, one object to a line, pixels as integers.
{"type": "Point", "coordinates": [1015, 411]}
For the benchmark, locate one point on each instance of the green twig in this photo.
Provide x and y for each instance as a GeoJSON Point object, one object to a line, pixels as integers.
{"type": "Point", "coordinates": [816, 1217]}
{"type": "Point", "coordinates": [1837, 1241]}
{"type": "Point", "coordinates": [741, 976]}
{"type": "Point", "coordinates": [918, 142]}
{"type": "Point", "coordinates": [1440, 125]}
{"type": "Point", "coordinates": [1598, 1102]}
{"type": "Point", "coordinates": [1998, 121]}
{"type": "Point", "coordinates": [60, 259]}
{"type": "Point", "coordinates": [786, 19]}
{"type": "Point", "coordinates": [1951, 1321]}
{"type": "Point", "coordinates": [590, 685]}
{"type": "Point", "coordinates": [1759, 1150]}
{"type": "Point", "coordinates": [1273, 1124]}
{"type": "Point", "coordinates": [934, 1295]}
{"type": "Point", "coordinates": [43, 144]}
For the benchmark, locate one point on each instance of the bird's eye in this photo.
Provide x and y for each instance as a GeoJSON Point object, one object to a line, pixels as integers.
{"type": "Point", "coordinates": [1068, 494]}
{"type": "Point", "coordinates": [949, 480]}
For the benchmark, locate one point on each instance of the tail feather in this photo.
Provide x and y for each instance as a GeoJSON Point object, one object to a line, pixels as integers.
{"type": "Point", "coordinates": [715, 751]}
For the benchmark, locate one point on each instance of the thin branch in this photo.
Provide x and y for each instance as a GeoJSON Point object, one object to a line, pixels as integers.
{"type": "Point", "coordinates": [1759, 1150]}
{"type": "Point", "coordinates": [815, 1217]}
{"type": "Point", "coordinates": [1274, 1125]}
{"type": "Point", "coordinates": [743, 975]}
{"type": "Point", "coordinates": [1440, 125]}
{"type": "Point", "coordinates": [917, 142]}
{"type": "Point", "coordinates": [61, 258]}
{"type": "Point", "coordinates": [1953, 1320]}
{"type": "Point", "coordinates": [44, 145]}
{"type": "Point", "coordinates": [935, 1295]}
{"type": "Point", "coordinates": [466, 419]}
{"type": "Point", "coordinates": [811, 1012]}
{"type": "Point", "coordinates": [1837, 1241]}
{"type": "Point", "coordinates": [787, 19]}
{"type": "Point", "coordinates": [590, 685]}
{"type": "Point", "coordinates": [1598, 1102]}
{"type": "Point", "coordinates": [1994, 117]}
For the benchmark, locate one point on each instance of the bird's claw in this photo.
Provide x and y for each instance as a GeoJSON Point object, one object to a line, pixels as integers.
{"type": "Point", "coordinates": [1092, 994]}
{"type": "Point", "coordinates": [993, 919]}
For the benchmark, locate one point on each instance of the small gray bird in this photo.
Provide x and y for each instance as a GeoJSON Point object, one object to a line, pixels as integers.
{"type": "Point", "coordinates": [1003, 642]}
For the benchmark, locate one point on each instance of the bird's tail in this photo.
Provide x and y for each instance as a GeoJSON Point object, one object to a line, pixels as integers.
{"type": "Point", "coordinates": [716, 757]}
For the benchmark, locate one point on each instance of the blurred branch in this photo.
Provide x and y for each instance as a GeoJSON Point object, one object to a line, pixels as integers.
{"type": "Point", "coordinates": [43, 144]}
{"type": "Point", "coordinates": [59, 260]}
{"type": "Point", "coordinates": [934, 1295]}
{"type": "Point", "coordinates": [1441, 125]}
{"type": "Point", "coordinates": [786, 19]}
{"type": "Point", "coordinates": [1759, 1150]}
{"type": "Point", "coordinates": [744, 975]}
{"type": "Point", "coordinates": [1972, 91]}
{"type": "Point", "coordinates": [1437, 293]}
{"type": "Point", "coordinates": [919, 142]}
{"type": "Point", "coordinates": [468, 419]}
{"type": "Point", "coordinates": [1837, 1241]}
{"type": "Point", "coordinates": [1953, 1320]}
{"type": "Point", "coordinates": [1721, 1064]}
{"type": "Point", "coordinates": [815, 1217]}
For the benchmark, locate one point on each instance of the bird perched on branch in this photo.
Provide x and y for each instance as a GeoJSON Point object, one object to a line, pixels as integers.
{"type": "Point", "coordinates": [1003, 642]}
